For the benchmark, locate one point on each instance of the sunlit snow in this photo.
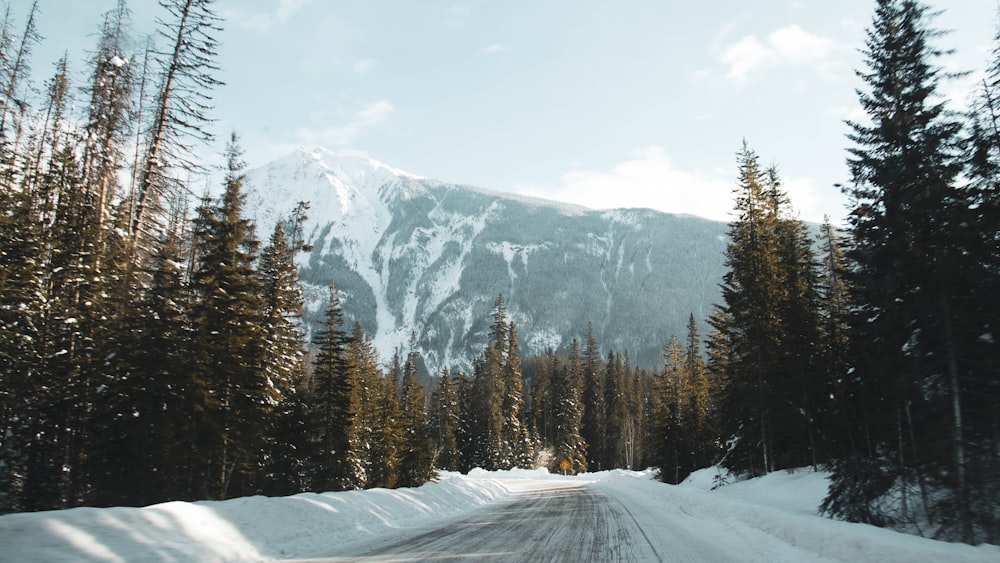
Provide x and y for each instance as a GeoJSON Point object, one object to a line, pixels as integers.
{"type": "Point", "coordinates": [767, 519]}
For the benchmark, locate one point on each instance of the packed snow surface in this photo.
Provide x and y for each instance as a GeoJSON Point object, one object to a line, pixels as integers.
{"type": "Point", "coordinates": [767, 519]}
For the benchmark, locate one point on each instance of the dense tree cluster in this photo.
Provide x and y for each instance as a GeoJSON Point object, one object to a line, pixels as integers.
{"type": "Point", "coordinates": [874, 352]}
{"type": "Point", "coordinates": [152, 353]}
{"type": "Point", "coordinates": [918, 405]}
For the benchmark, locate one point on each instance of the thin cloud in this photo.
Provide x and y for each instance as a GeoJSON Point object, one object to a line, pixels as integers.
{"type": "Point", "coordinates": [494, 49]}
{"type": "Point", "coordinates": [651, 180]}
{"type": "Point", "coordinates": [372, 115]}
{"type": "Point", "coordinates": [787, 46]}
{"type": "Point", "coordinates": [262, 22]}
{"type": "Point", "coordinates": [364, 66]}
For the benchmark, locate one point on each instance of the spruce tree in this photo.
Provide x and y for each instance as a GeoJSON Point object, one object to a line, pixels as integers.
{"type": "Point", "coordinates": [567, 414]}
{"type": "Point", "coordinates": [982, 388]}
{"type": "Point", "coordinates": [801, 387]}
{"type": "Point", "coordinates": [469, 434]}
{"type": "Point", "coordinates": [367, 432]}
{"type": "Point", "coordinates": [841, 415]}
{"type": "Point", "coordinates": [620, 425]}
{"type": "Point", "coordinates": [227, 313]}
{"type": "Point", "coordinates": [109, 115]}
{"type": "Point", "coordinates": [445, 418]}
{"type": "Point", "coordinates": [541, 402]}
{"type": "Point", "coordinates": [283, 363]}
{"type": "Point", "coordinates": [594, 424]}
{"type": "Point", "coordinates": [331, 401]}
{"type": "Point", "coordinates": [521, 446]}
{"type": "Point", "coordinates": [416, 463]}
{"type": "Point", "coordinates": [388, 434]}
{"type": "Point", "coordinates": [149, 408]}
{"type": "Point", "coordinates": [701, 432]}
{"type": "Point", "coordinates": [917, 268]}
{"type": "Point", "coordinates": [752, 291]}
{"type": "Point", "coordinates": [22, 278]}
{"type": "Point", "coordinates": [669, 400]}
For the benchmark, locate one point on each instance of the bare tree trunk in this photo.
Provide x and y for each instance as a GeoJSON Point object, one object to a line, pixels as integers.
{"type": "Point", "coordinates": [903, 489]}
{"type": "Point", "coordinates": [19, 67]}
{"type": "Point", "coordinates": [146, 188]}
{"type": "Point", "coordinates": [959, 439]}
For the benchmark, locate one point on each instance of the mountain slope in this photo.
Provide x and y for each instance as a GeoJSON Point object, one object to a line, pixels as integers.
{"type": "Point", "coordinates": [413, 254]}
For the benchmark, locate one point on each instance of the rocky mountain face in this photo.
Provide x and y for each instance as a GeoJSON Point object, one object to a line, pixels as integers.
{"type": "Point", "coordinates": [414, 254]}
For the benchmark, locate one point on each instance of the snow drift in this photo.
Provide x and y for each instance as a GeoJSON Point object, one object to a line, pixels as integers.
{"type": "Point", "coordinates": [768, 519]}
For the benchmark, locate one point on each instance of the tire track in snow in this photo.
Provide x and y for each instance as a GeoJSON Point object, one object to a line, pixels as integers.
{"type": "Point", "coordinates": [559, 523]}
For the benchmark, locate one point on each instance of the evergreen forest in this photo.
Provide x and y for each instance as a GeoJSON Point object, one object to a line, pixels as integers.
{"type": "Point", "coordinates": [152, 346]}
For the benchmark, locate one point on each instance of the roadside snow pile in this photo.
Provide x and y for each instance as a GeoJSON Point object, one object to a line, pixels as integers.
{"type": "Point", "coordinates": [243, 529]}
{"type": "Point", "coordinates": [799, 491]}
{"type": "Point", "coordinates": [770, 519]}
{"type": "Point", "coordinates": [781, 512]}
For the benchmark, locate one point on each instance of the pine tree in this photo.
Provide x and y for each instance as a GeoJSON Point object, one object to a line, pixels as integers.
{"type": "Point", "coordinates": [227, 313]}
{"type": "Point", "coordinates": [416, 462]}
{"type": "Point", "coordinates": [594, 424]}
{"type": "Point", "coordinates": [752, 293]}
{"type": "Point", "coordinates": [916, 282]}
{"type": "Point", "coordinates": [283, 361]}
{"type": "Point", "coordinates": [384, 471]}
{"type": "Point", "coordinates": [700, 429]}
{"type": "Point", "coordinates": [445, 418]}
{"type": "Point", "coordinates": [22, 275]}
{"type": "Point", "coordinates": [331, 416]}
{"type": "Point", "coordinates": [620, 423]}
{"type": "Point", "coordinates": [567, 415]}
{"type": "Point", "coordinates": [541, 402]}
{"type": "Point", "coordinates": [669, 402]}
{"type": "Point", "coordinates": [802, 387]}
{"type": "Point", "coordinates": [150, 404]}
{"type": "Point", "coordinates": [367, 432]}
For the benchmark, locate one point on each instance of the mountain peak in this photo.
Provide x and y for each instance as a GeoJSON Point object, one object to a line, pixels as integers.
{"type": "Point", "coordinates": [353, 166]}
{"type": "Point", "coordinates": [417, 255]}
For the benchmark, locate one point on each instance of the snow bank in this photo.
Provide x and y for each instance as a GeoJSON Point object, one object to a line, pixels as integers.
{"type": "Point", "coordinates": [768, 519]}
{"type": "Point", "coordinates": [780, 511]}
{"type": "Point", "coordinates": [244, 529]}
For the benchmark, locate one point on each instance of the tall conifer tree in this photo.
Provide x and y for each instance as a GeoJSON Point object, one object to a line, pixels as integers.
{"type": "Point", "coordinates": [227, 313]}
{"type": "Point", "coordinates": [594, 425]}
{"type": "Point", "coordinates": [416, 455]}
{"type": "Point", "coordinates": [331, 402]}
{"type": "Point", "coordinates": [917, 268]}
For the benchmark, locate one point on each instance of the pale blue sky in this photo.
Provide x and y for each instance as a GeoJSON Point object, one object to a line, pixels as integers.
{"type": "Point", "coordinates": [631, 103]}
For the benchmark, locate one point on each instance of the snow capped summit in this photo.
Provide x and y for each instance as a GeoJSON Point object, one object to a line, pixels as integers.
{"type": "Point", "coordinates": [357, 167]}
{"type": "Point", "coordinates": [337, 185]}
{"type": "Point", "coordinates": [413, 254]}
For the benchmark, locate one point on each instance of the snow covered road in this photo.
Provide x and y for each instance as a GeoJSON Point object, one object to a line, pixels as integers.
{"type": "Point", "coordinates": [486, 516]}
{"type": "Point", "coordinates": [616, 516]}
{"type": "Point", "coordinates": [540, 521]}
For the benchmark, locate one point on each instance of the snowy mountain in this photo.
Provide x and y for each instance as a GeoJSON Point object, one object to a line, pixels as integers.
{"type": "Point", "coordinates": [413, 254]}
